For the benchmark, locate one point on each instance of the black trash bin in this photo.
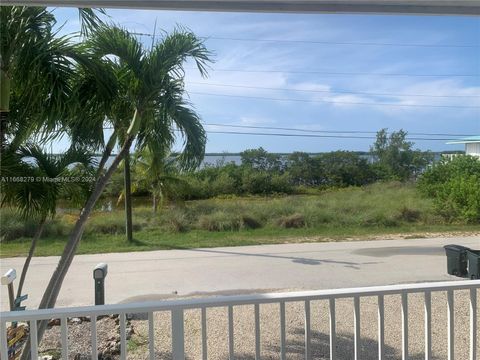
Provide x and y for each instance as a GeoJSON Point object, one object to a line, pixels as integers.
{"type": "Point", "coordinates": [456, 259]}
{"type": "Point", "coordinates": [473, 264]}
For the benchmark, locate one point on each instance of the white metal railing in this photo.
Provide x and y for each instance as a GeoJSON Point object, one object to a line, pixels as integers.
{"type": "Point", "coordinates": [177, 308]}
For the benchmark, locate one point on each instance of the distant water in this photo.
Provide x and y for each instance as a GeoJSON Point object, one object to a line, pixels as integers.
{"type": "Point", "coordinates": [208, 160]}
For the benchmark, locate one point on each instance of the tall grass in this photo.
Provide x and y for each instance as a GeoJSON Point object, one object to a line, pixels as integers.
{"type": "Point", "coordinates": [381, 205]}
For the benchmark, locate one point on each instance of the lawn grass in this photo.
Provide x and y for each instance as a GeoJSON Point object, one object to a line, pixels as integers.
{"type": "Point", "coordinates": [353, 213]}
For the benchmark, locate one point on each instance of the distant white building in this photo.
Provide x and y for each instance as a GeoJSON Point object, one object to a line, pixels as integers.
{"type": "Point", "coordinates": [472, 145]}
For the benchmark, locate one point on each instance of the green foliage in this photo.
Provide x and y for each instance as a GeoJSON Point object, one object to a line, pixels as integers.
{"type": "Point", "coordinates": [396, 158]}
{"type": "Point", "coordinates": [455, 187]}
{"type": "Point", "coordinates": [345, 168]}
{"type": "Point", "coordinates": [260, 159]}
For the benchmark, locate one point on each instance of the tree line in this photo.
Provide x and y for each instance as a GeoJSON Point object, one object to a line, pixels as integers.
{"type": "Point", "coordinates": [392, 158]}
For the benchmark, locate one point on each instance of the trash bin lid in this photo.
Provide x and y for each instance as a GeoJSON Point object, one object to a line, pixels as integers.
{"type": "Point", "coordinates": [455, 247]}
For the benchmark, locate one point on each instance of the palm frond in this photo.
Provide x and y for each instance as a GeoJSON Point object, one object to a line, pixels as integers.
{"type": "Point", "coordinates": [170, 54]}
{"type": "Point", "coordinates": [118, 42]}
{"type": "Point", "coordinates": [89, 19]}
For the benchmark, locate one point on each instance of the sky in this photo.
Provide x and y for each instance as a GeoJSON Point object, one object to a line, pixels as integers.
{"type": "Point", "coordinates": [339, 72]}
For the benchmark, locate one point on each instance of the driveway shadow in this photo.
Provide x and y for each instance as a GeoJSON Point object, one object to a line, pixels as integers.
{"type": "Point", "coordinates": [295, 259]}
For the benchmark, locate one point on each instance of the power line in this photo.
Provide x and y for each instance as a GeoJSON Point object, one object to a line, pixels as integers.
{"type": "Point", "coordinates": [325, 131]}
{"type": "Point", "coordinates": [319, 131]}
{"type": "Point", "coordinates": [315, 136]}
{"type": "Point", "coordinates": [343, 73]}
{"type": "Point", "coordinates": [320, 42]}
{"type": "Point", "coordinates": [339, 91]}
{"type": "Point", "coordinates": [336, 102]}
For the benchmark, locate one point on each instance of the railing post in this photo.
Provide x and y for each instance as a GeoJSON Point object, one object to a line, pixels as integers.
{"type": "Point", "coordinates": [178, 338]}
{"type": "Point", "coordinates": [404, 325]}
{"type": "Point", "coordinates": [64, 337]}
{"type": "Point", "coordinates": [93, 333]}
{"type": "Point", "coordinates": [428, 325]}
{"type": "Point", "coordinates": [151, 335]}
{"type": "Point", "coordinates": [257, 332]}
{"type": "Point", "coordinates": [381, 327]}
{"type": "Point", "coordinates": [283, 352]}
{"type": "Point", "coordinates": [473, 324]}
{"type": "Point", "coordinates": [123, 336]}
{"type": "Point", "coordinates": [451, 324]}
{"type": "Point", "coordinates": [356, 325]}
{"type": "Point", "coordinates": [333, 331]}
{"type": "Point", "coordinates": [308, 354]}
{"type": "Point", "coordinates": [3, 340]}
{"type": "Point", "coordinates": [204, 334]}
{"type": "Point", "coordinates": [231, 347]}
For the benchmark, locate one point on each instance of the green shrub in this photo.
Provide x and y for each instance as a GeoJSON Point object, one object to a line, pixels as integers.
{"type": "Point", "coordinates": [459, 198]}
{"type": "Point", "coordinates": [455, 187]}
{"type": "Point", "coordinates": [256, 182]}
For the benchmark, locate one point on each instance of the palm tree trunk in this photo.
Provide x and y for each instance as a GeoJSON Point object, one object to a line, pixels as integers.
{"type": "Point", "coordinates": [155, 205]}
{"type": "Point", "coordinates": [33, 245]}
{"type": "Point", "coordinates": [128, 198]}
{"type": "Point", "coordinates": [4, 105]}
{"type": "Point", "coordinates": [106, 154]}
{"type": "Point", "coordinates": [53, 288]}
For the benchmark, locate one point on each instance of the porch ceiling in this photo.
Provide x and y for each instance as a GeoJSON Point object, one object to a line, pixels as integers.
{"type": "Point", "coordinates": [433, 7]}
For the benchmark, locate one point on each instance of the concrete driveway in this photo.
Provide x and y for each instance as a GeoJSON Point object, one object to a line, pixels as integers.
{"type": "Point", "coordinates": [151, 275]}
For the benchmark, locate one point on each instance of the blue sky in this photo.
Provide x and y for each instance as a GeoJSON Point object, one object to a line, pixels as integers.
{"type": "Point", "coordinates": [327, 103]}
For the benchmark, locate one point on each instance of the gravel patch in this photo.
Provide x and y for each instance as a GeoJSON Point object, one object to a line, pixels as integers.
{"type": "Point", "coordinates": [244, 330]}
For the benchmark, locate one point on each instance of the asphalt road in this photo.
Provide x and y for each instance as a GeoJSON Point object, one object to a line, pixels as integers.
{"type": "Point", "coordinates": [151, 275]}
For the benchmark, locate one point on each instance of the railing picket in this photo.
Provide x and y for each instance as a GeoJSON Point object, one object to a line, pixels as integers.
{"type": "Point", "coordinates": [3, 340]}
{"type": "Point", "coordinates": [178, 335]}
{"type": "Point", "coordinates": [33, 340]}
{"type": "Point", "coordinates": [381, 327]}
{"type": "Point", "coordinates": [333, 331]}
{"type": "Point", "coordinates": [356, 320]}
{"type": "Point", "coordinates": [428, 325]}
{"type": "Point", "coordinates": [204, 334]}
{"type": "Point", "coordinates": [64, 337]}
{"type": "Point", "coordinates": [308, 354]}
{"type": "Point", "coordinates": [151, 336]}
{"type": "Point", "coordinates": [123, 336]}
{"type": "Point", "coordinates": [93, 333]}
{"type": "Point", "coordinates": [404, 325]}
{"type": "Point", "coordinates": [473, 324]}
{"type": "Point", "coordinates": [283, 353]}
{"type": "Point", "coordinates": [230, 333]}
{"type": "Point", "coordinates": [451, 324]}
{"type": "Point", "coordinates": [257, 331]}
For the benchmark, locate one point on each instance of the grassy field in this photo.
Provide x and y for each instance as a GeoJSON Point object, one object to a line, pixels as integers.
{"type": "Point", "coordinates": [352, 213]}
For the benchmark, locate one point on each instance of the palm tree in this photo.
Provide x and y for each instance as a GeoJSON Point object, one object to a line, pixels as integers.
{"type": "Point", "coordinates": [158, 172]}
{"type": "Point", "coordinates": [124, 105]}
{"type": "Point", "coordinates": [36, 69]}
{"type": "Point", "coordinates": [40, 198]}
{"type": "Point", "coordinates": [158, 113]}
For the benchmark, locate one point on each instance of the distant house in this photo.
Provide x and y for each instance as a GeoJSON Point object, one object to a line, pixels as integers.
{"type": "Point", "coordinates": [472, 145]}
